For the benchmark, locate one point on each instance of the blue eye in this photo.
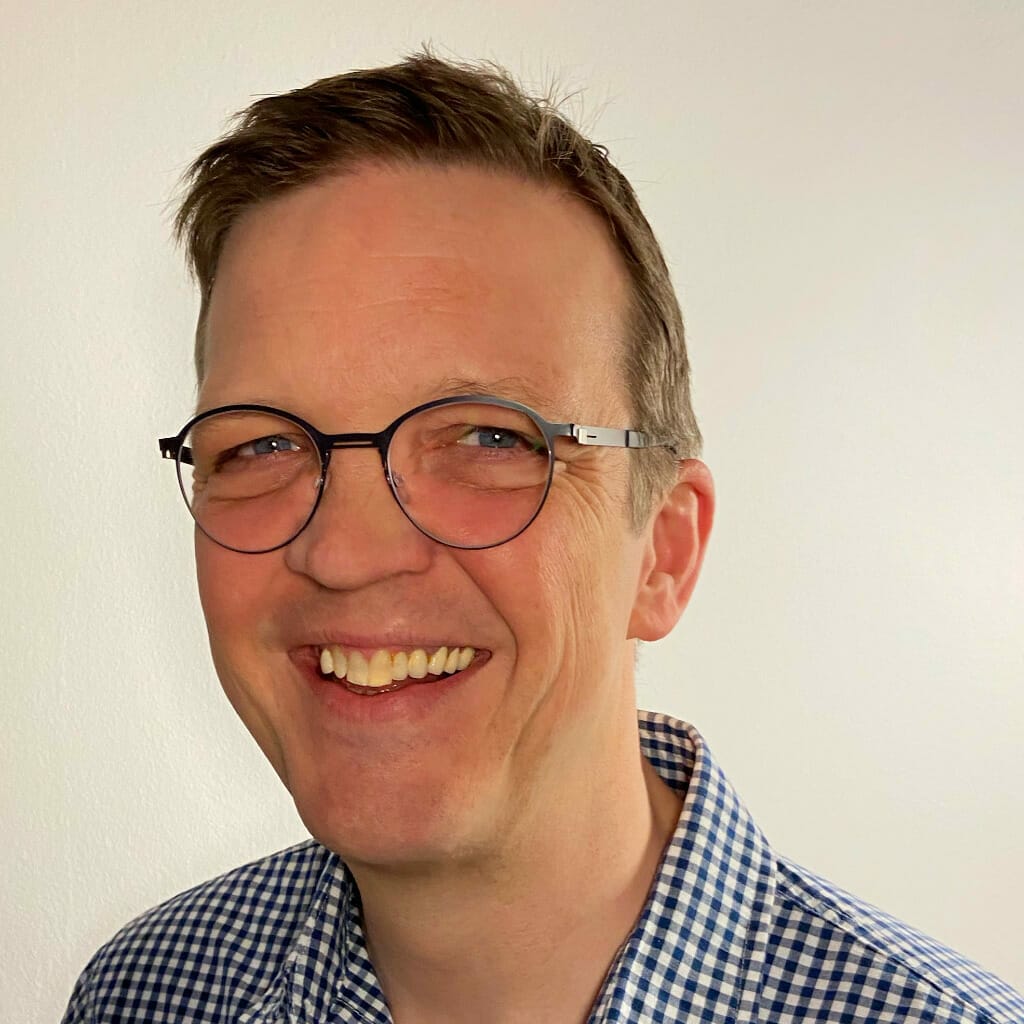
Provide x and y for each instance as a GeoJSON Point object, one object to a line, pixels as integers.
{"type": "Point", "coordinates": [496, 439]}
{"type": "Point", "coordinates": [492, 437]}
{"type": "Point", "coordinates": [266, 446]}
{"type": "Point", "coordinates": [259, 452]}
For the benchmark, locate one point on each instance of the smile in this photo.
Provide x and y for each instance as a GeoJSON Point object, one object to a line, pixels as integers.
{"type": "Point", "coordinates": [383, 671]}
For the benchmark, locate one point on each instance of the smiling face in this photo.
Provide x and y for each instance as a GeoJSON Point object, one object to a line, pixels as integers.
{"type": "Point", "coordinates": [346, 303]}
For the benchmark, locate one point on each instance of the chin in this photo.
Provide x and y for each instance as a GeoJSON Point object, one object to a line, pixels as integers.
{"type": "Point", "coordinates": [386, 827]}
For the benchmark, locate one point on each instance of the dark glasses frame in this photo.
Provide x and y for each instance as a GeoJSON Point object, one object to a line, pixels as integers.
{"type": "Point", "coordinates": [605, 437]}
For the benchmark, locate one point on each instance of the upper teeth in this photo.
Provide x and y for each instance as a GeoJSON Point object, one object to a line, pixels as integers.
{"type": "Point", "coordinates": [384, 668]}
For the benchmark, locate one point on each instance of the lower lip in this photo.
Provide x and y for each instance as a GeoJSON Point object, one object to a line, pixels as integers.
{"type": "Point", "coordinates": [413, 701]}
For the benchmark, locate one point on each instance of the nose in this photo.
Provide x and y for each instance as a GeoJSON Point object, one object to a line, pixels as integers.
{"type": "Point", "coordinates": [358, 534]}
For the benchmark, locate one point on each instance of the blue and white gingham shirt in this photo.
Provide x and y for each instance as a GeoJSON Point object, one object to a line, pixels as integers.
{"type": "Point", "coordinates": [731, 932]}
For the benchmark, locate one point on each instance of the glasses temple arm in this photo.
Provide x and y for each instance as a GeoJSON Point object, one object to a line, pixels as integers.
{"type": "Point", "coordinates": [172, 448]}
{"type": "Point", "coordinates": [611, 437]}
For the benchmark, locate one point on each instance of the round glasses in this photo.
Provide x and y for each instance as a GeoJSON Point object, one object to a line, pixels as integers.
{"type": "Point", "coordinates": [469, 472]}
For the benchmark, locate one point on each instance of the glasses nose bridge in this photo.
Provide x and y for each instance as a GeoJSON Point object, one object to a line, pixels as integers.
{"type": "Point", "coordinates": [333, 442]}
{"type": "Point", "coordinates": [329, 443]}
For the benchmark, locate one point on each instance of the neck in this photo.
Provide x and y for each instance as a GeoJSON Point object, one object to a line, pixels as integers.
{"type": "Point", "coordinates": [528, 931]}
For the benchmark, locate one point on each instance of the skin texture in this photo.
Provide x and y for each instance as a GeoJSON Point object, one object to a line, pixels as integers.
{"type": "Point", "coordinates": [467, 824]}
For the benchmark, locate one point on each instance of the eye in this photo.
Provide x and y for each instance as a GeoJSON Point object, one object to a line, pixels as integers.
{"type": "Point", "coordinates": [258, 449]}
{"type": "Point", "coordinates": [266, 446]}
{"type": "Point", "coordinates": [494, 437]}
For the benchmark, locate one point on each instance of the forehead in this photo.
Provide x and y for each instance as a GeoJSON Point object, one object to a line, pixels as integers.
{"type": "Point", "coordinates": [385, 280]}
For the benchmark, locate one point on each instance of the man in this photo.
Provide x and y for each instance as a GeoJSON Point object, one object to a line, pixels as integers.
{"type": "Point", "coordinates": [444, 475]}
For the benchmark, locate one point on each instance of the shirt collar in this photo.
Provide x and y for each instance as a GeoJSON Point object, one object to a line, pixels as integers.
{"type": "Point", "coordinates": [698, 947]}
{"type": "Point", "coordinates": [694, 953]}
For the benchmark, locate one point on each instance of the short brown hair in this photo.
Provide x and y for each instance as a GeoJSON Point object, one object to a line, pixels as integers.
{"type": "Point", "coordinates": [425, 109]}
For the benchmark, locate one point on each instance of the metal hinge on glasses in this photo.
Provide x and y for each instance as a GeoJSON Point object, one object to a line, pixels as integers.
{"type": "Point", "coordinates": [608, 437]}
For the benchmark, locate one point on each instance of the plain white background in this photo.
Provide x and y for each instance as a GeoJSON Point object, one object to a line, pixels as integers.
{"type": "Point", "coordinates": [838, 190]}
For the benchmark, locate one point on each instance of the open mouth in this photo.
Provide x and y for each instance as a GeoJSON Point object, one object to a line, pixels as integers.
{"type": "Point", "coordinates": [384, 671]}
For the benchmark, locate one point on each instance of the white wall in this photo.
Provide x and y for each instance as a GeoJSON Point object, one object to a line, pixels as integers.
{"type": "Point", "coordinates": [838, 189]}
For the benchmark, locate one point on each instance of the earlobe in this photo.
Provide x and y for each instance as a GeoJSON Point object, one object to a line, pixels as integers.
{"type": "Point", "coordinates": [677, 539]}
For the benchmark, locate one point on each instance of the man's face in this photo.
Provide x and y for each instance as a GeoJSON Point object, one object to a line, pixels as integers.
{"type": "Point", "coordinates": [348, 302]}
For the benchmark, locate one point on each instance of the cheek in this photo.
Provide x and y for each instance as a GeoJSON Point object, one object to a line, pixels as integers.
{"type": "Point", "coordinates": [230, 590]}
{"type": "Point", "coordinates": [589, 548]}
{"type": "Point", "coordinates": [560, 589]}
{"type": "Point", "coordinates": [234, 591]}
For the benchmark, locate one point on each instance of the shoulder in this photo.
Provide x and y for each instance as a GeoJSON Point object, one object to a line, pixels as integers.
{"type": "Point", "coordinates": [207, 952]}
{"type": "Point", "coordinates": [832, 951]}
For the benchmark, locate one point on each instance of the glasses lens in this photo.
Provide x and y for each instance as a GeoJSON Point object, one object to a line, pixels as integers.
{"type": "Point", "coordinates": [470, 474]}
{"type": "Point", "coordinates": [252, 484]}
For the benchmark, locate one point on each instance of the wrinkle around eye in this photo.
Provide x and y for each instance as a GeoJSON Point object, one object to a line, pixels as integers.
{"type": "Point", "coordinates": [591, 480]}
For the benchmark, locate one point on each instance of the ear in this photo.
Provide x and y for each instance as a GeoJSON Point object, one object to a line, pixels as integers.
{"type": "Point", "coordinates": [677, 537]}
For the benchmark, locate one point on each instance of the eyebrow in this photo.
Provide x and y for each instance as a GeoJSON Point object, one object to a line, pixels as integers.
{"type": "Point", "coordinates": [516, 389]}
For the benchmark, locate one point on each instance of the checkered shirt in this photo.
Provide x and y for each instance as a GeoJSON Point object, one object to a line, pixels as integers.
{"type": "Point", "coordinates": [731, 932]}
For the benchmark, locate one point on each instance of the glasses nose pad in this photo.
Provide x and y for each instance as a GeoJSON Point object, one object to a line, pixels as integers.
{"type": "Point", "coordinates": [399, 486]}
{"type": "Point", "coordinates": [320, 481]}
